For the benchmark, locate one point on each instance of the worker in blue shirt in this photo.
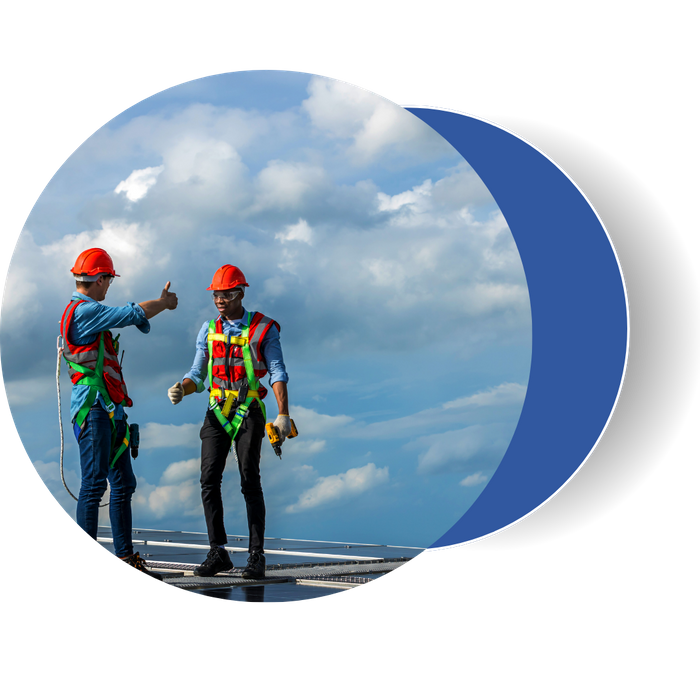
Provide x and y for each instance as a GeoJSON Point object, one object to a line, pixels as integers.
{"type": "Point", "coordinates": [236, 350]}
{"type": "Point", "coordinates": [88, 321]}
{"type": "Point", "coordinates": [99, 395]}
{"type": "Point", "coordinates": [271, 350]}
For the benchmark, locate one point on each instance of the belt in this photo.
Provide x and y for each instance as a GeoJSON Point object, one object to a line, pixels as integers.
{"type": "Point", "coordinates": [225, 393]}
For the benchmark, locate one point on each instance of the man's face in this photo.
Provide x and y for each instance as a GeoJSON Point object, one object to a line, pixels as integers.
{"type": "Point", "coordinates": [229, 303]}
{"type": "Point", "coordinates": [102, 287]}
{"type": "Point", "coordinates": [98, 289]}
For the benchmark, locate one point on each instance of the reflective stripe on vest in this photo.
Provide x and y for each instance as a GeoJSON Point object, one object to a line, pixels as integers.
{"type": "Point", "coordinates": [227, 364]}
{"type": "Point", "coordinates": [97, 375]}
{"type": "Point", "coordinates": [85, 356]}
{"type": "Point", "coordinates": [232, 359]}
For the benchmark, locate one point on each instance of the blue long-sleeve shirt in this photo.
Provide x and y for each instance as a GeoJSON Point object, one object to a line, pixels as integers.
{"type": "Point", "coordinates": [88, 321]}
{"type": "Point", "coordinates": [270, 349]}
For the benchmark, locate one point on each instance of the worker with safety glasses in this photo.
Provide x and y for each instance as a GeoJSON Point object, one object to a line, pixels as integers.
{"type": "Point", "coordinates": [99, 395]}
{"type": "Point", "coordinates": [235, 350]}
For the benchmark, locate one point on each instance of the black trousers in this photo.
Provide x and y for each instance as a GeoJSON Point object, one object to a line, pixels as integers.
{"type": "Point", "coordinates": [216, 444]}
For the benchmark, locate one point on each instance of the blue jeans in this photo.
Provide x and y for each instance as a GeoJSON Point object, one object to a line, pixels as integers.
{"type": "Point", "coordinates": [95, 444]}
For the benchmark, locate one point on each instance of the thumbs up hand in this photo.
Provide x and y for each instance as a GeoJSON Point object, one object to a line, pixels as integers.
{"type": "Point", "coordinates": [169, 297]}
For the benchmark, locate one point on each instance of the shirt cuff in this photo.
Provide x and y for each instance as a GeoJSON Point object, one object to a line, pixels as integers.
{"type": "Point", "coordinates": [198, 382]}
{"type": "Point", "coordinates": [143, 323]}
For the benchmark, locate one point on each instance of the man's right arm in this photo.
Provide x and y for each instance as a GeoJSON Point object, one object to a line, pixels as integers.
{"type": "Point", "coordinates": [188, 386]}
{"type": "Point", "coordinates": [194, 379]}
{"type": "Point", "coordinates": [168, 300]}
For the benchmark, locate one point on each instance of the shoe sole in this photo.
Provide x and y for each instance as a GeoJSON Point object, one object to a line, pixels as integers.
{"type": "Point", "coordinates": [251, 576]}
{"type": "Point", "coordinates": [197, 572]}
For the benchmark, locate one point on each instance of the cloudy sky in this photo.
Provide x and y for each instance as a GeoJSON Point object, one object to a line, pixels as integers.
{"type": "Point", "coordinates": [402, 300]}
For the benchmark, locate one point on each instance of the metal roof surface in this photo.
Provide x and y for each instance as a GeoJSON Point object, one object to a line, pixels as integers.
{"type": "Point", "coordinates": [295, 569]}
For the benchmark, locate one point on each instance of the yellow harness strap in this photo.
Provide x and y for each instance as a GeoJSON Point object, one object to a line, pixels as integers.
{"type": "Point", "coordinates": [223, 338]}
{"type": "Point", "coordinates": [230, 397]}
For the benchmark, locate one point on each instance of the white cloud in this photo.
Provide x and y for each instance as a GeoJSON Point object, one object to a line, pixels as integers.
{"type": "Point", "coordinates": [176, 499]}
{"type": "Point", "coordinates": [177, 493]}
{"type": "Point", "coordinates": [22, 392]}
{"type": "Point", "coordinates": [416, 198]}
{"type": "Point", "coordinates": [505, 394]}
{"type": "Point", "coordinates": [138, 183]}
{"type": "Point", "coordinates": [22, 299]}
{"type": "Point", "coordinates": [388, 125]}
{"type": "Point", "coordinates": [203, 177]}
{"type": "Point", "coordinates": [192, 157]}
{"type": "Point", "coordinates": [301, 231]}
{"type": "Point", "coordinates": [474, 479]}
{"type": "Point", "coordinates": [476, 446]}
{"type": "Point", "coordinates": [310, 423]}
{"type": "Point", "coordinates": [333, 488]}
{"type": "Point", "coordinates": [386, 272]}
{"type": "Point", "coordinates": [274, 287]}
{"type": "Point", "coordinates": [181, 471]}
{"type": "Point", "coordinates": [374, 124]}
{"type": "Point", "coordinates": [339, 108]}
{"type": "Point", "coordinates": [455, 446]}
{"type": "Point", "coordinates": [295, 446]}
{"type": "Point", "coordinates": [283, 185]}
{"type": "Point", "coordinates": [50, 474]}
{"type": "Point", "coordinates": [361, 271]}
{"type": "Point", "coordinates": [155, 435]}
{"type": "Point", "coordinates": [132, 246]}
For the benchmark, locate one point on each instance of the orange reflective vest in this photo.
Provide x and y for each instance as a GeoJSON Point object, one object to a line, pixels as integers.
{"type": "Point", "coordinates": [235, 362]}
{"type": "Point", "coordinates": [97, 366]}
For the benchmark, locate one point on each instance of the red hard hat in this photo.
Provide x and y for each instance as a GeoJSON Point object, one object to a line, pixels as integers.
{"type": "Point", "coordinates": [227, 277]}
{"type": "Point", "coordinates": [94, 261]}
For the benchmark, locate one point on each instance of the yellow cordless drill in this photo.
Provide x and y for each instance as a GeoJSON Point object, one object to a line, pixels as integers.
{"type": "Point", "coordinates": [274, 437]}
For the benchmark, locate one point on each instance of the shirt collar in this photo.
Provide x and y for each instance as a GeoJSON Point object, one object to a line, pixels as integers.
{"type": "Point", "coordinates": [241, 321]}
{"type": "Point", "coordinates": [78, 295]}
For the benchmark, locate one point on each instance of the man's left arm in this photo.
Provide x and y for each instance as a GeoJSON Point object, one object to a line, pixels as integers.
{"type": "Point", "coordinates": [271, 350]}
{"type": "Point", "coordinates": [280, 389]}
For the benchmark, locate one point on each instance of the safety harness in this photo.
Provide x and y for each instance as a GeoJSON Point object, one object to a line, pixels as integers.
{"type": "Point", "coordinates": [235, 387]}
{"type": "Point", "coordinates": [82, 374]}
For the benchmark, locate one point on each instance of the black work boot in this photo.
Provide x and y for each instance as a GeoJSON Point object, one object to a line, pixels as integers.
{"type": "Point", "coordinates": [217, 560]}
{"type": "Point", "coordinates": [138, 563]}
{"type": "Point", "coordinates": [256, 566]}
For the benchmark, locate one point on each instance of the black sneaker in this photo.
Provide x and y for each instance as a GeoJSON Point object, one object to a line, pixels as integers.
{"type": "Point", "coordinates": [217, 560]}
{"type": "Point", "coordinates": [139, 564]}
{"type": "Point", "coordinates": [256, 566]}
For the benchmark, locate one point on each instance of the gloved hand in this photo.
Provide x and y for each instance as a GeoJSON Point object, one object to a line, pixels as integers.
{"type": "Point", "coordinates": [176, 393]}
{"type": "Point", "coordinates": [283, 425]}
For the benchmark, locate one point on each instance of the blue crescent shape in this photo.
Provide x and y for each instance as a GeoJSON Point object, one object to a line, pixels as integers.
{"type": "Point", "coordinates": [579, 321]}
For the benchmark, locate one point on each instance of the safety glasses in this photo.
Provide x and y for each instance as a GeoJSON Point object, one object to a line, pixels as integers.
{"type": "Point", "coordinates": [228, 296]}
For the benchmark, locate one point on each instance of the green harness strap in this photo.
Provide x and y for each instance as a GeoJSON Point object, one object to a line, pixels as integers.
{"type": "Point", "coordinates": [232, 426]}
{"type": "Point", "coordinates": [94, 379]}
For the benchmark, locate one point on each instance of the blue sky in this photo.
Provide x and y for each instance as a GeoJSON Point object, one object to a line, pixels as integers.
{"type": "Point", "coordinates": [403, 304]}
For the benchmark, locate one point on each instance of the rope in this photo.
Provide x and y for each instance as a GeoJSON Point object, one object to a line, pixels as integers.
{"type": "Point", "coordinates": [60, 416]}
